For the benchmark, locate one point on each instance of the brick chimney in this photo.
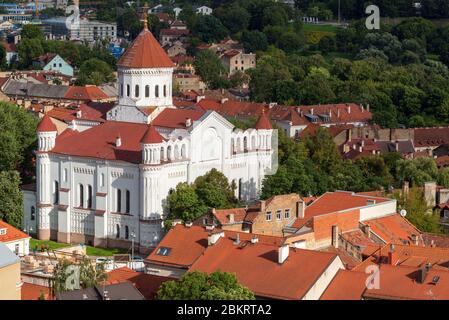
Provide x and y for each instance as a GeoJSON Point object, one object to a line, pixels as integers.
{"type": "Point", "coordinates": [335, 236]}
{"type": "Point", "coordinates": [231, 218]}
{"type": "Point", "coordinates": [392, 255]}
{"type": "Point", "coordinates": [283, 253]}
{"type": "Point", "coordinates": [118, 141]}
{"type": "Point", "coordinates": [415, 239]}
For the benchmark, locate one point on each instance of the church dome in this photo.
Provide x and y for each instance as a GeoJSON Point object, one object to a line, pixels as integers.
{"type": "Point", "coordinates": [145, 52]}
{"type": "Point", "coordinates": [46, 125]}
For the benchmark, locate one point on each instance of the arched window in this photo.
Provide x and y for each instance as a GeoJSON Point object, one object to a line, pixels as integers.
{"type": "Point", "coordinates": [240, 189]}
{"type": "Point", "coordinates": [232, 146]}
{"type": "Point", "coordinates": [136, 91]}
{"type": "Point", "coordinates": [176, 155]}
{"type": "Point", "coordinates": [55, 192]}
{"type": "Point", "coordinates": [89, 196]}
{"type": "Point", "coordinates": [183, 151]}
{"type": "Point", "coordinates": [156, 91]}
{"type": "Point", "coordinates": [33, 213]}
{"type": "Point", "coordinates": [126, 232]}
{"type": "Point", "coordinates": [117, 231]}
{"type": "Point", "coordinates": [119, 201]}
{"type": "Point", "coordinates": [245, 144]}
{"type": "Point", "coordinates": [128, 201]}
{"type": "Point", "coordinates": [162, 154]}
{"type": "Point", "coordinates": [128, 90]}
{"type": "Point", "coordinates": [165, 90]}
{"type": "Point", "coordinates": [169, 153]}
{"type": "Point", "coordinates": [102, 180]}
{"type": "Point", "coordinates": [121, 89]}
{"type": "Point", "coordinates": [80, 196]}
{"type": "Point", "coordinates": [147, 91]}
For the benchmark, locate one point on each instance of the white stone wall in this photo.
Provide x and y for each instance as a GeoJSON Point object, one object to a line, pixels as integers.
{"type": "Point", "coordinates": [378, 210]}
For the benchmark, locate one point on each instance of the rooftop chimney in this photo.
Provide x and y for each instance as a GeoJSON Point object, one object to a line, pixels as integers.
{"type": "Point", "coordinates": [367, 107]}
{"type": "Point", "coordinates": [415, 239]}
{"type": "Point", "coordinates": [301, 207]}
{"type": "Point", "coordinates": [335, 236]}
{"type": "Point", "coordinates": [224, 100]}
{"type": "Point", "coordinates": [237, 239]}
{"type": "Point", "coordinates": [283, 253]}
{"type": "Point", "coordinates": [188, 122]}
{"type": "Point", "coordinates": [231, 218]}
{"type": "Point", "coordinates": [349, 109]}
{"type": "Point", "coordinates": [392, 255]}
{"type": "Point", "coordinates": [367, 230]}
{"type": "Point", "coordinates": [422, 273]}
{"type": "Point", "coordinates": [254, 239]}
{"type": "Point", "coordinates": [396, 146]}
{"type": "Point", "coordinates": [311, 111]}
{"type": "Point", "coordinates": [79, 114]}
{"type": "Point", "coordinates": [214, 237]}
{"type": "Point", "coordinates": [118, 141]}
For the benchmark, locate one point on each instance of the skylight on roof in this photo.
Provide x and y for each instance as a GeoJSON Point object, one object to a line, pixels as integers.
{"type": "Point", "coordinates": [163, 251]}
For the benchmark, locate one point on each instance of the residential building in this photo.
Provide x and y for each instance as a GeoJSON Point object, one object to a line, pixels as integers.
{"type": "Point", "coordinates": [268, 217]}
{"type": "Point", "coordinates": [147, 284]}
{"type": "Point", "coordinates": [169, 36]}
{"type": "Point", "coordinates": [430, 138]}
{"type": "Point", "coordinates": [22, 18]}
{"type": "Point", "coordinates": [235, 60]}
{"type": "Point", "coordinates": [11, 53]}
{"type": "Point", "coordinates": [175, 48]}
{"type": "Point", "coordinates": [187, 82]}
{"type": "Point", "coordinates": [204, 10]}
{"type": "Point", "coordinates": [88, 30]}
{"type": "Point", "coordinates": [14, 239]}
{"type": "Point", "coordinates": [10, 283]}
{"type": "Point", "coordinates": [264, 264]}
{"type": "Point", "coordinates": [107, 185]}
{"type": "Point", "coordinates": [119, 291]}
{"type": "Point", "coordinates": [54, 62]}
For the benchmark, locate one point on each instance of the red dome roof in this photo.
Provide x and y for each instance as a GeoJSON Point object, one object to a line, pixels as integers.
{"type": "Point", "coordinates": [152, 136]}
{"type": "Point", "coordinates": [263, 123]}
{"type": "Point", "coordinates": [46, 125]}
{"type": "Point", "coordinates": [145, 52]}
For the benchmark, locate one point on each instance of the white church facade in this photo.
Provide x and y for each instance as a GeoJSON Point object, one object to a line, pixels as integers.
{"type": "Point", "coordinates": [108, 184]}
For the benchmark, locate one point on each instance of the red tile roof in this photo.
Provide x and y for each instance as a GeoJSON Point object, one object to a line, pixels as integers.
{"type": "Point", "coordinates": [186, 245]}
{"type": "Point", "coordinates": [46, 125]}
{"type": "Point", "coordinates": [99, 142]}
{"type": "Point", "coordinates": [400, 283]}
{"type": "Point", "coordinates": [174, 32]}
{"type": "Point", "coordinates": [347, 285]}
{"type": "Point", "coordinates": [263, 123]}
{"type": "Point", "coordinates": [223, 215]}
{"type": "Point", "coordinates": [33, 292]}
{"type": "Point", "coordinates": [147, 284]}
{"type": "Point", "coordinates": [12, 234]}
{"type": "Point", "coordinates": [86, 93]}
{"type": "Point", "coordinates": [152, 136]}
{"type": "Point", "coordinates": [394, 229]}
{"type": "Point", "coordinates": [431, 137]}
{"type": "Point", "coordinates": [336, 202]}
{"type": "Point", "coordinates": [10, 47]}
{"type": "Point", "coordinates": [145, 52]}
{"type": "Point", "coordinates": [176, 118]}
{"type": "Point", "coordinates": [256, 267]}
{"type": "Point", "coordinates": [91, 111]}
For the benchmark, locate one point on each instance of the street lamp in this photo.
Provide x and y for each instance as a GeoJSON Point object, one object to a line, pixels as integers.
{"type": "Point", "coordinates": [133, 235]}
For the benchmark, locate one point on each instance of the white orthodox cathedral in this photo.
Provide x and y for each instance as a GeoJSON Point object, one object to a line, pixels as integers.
{"type": "Point", "coordinates": [108, 184]}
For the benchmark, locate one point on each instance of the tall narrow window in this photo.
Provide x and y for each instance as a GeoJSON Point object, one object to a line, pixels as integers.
{"type": "Point", "coordinates": [102, 180]}
{"type": "Point", "coordinates": [156, 91]}
{"type": "Point", "coordinates": [119, 200]}
{"type": "Point", "coordinates": [128, 201]}
{"type": "Point", "coordinates": [126, 232]}
{"type": "Point", "coordinates": [240, 189]}
{"type": "Point", "coordinates": [55, 192]}
{"type": "Point", "coordinates": [117, 231]}
{"type": "Point", "coordinates": [121, 89]}
{"type": "Point", "coordinates": [65, 175]}
{"type": "Point", "coordinates": [33, 213]}
{"type": "Point", "coordinates": [89, 196]}
{"type": "Point", "coordinates": [128, 90]}
{"type": "Point", "coordinates": [80, 196]}
{"type": "Point", "coordinates": [165, 90]}
{"type": "Point", "coordinates": [136, 91]}
{"type": "Point", "coordinates": [147, 91]}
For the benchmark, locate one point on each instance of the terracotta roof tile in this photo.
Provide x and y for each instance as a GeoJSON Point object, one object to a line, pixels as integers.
{"type": "Point", "coordinates": [33, 292]}
{"type": "Point", "coordinates": [145, 52]}
{"type": "Point", "coordinates": [263, 123]}
{"type": "Point", "coordinates": [152, 136]}
{"type": "Point", "coordinates": [176, 118]}
{"type": "Point", "coordinates": [347, 285]}
{"type": "Point", "coordinates": [46, 125]}
{"type": "Point", "coordinates": [12, 234]}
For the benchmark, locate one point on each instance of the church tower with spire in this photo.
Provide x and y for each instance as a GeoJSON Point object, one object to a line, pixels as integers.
{"type": "Point", "coordinates": [145, 80]}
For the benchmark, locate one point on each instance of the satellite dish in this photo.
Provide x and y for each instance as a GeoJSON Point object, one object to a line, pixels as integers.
{"type": "Point", "coordinates": [403, 213]}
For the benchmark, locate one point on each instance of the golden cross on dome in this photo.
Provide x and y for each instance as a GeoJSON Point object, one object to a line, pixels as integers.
{"type": "Point", "coordinates": [145, 16]}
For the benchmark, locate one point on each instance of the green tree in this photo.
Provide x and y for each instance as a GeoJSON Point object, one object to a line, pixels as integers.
{"type": "Point", "coordinates": [202, 286]}
{"type": "Point", "coordinates": [184, 203]}
{"type": "Point", "coordinates": [235, 18]}
{"type": "Point", "coordinates": [215, 191]}
{"type": "Point", "coordinates": [29, 49]}
{"type": "Point", "coordinates": [443, 177]}
{"type": "Point", "coordinates": [209, 29]}
{"type": "Point", "coordinates": [95, 71]}
{"type": "Point", "coordinates": [31, 31]}
{"type": "Point", "coordinates": [209, 67]}
{"type": "Point", "coordinates": [417, 211]}
{"type": "Point", "coordinates": [254, 41]}
{"type": "Point", "coordinates": [11, 200]}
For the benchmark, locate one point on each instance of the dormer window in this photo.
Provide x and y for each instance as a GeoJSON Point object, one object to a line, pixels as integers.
{"type": "Point", "coordinates": [3, 231]}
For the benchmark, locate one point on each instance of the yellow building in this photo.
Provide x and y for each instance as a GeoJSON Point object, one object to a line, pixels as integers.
{"type": "Point", "coordinates": [10, 283]}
